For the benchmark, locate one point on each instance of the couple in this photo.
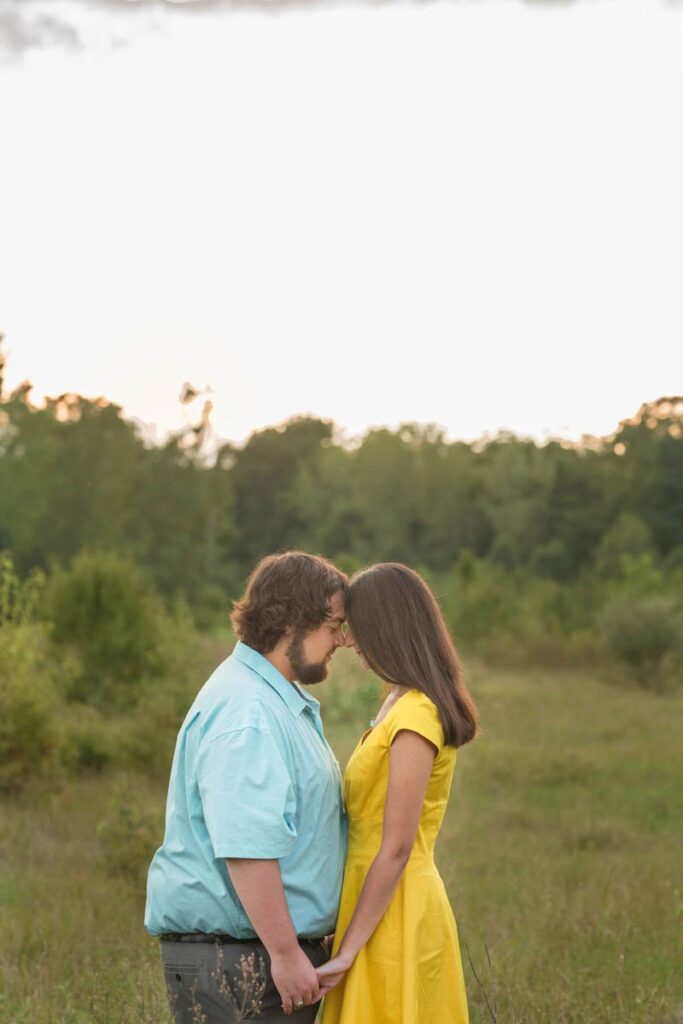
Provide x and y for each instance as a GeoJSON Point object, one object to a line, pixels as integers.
{"type": "Point", "coordinates": [267, 852]}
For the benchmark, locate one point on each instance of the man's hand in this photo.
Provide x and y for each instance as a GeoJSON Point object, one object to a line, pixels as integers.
{"type": "Point", "coordinates": [259, 887]}
{"type": "Point", "coordinates": [295, 979]}
{"type": "Point", "coordinates": [331, 973]}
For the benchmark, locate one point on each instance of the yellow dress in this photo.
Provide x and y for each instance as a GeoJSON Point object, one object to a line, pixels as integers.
{"type": "Point", "coordinates": [409, 971]}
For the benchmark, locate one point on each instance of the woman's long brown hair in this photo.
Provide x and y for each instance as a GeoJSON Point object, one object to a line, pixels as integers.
{"type": "Point", "coordinates": [399, 629]}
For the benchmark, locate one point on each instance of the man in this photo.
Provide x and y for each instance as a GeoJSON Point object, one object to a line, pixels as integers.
{"type": "Point", "coordinates": [247, 881]}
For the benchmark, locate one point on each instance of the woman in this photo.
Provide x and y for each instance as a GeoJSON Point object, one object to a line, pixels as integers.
{"type": "Point", "coordinates": [395, 958]}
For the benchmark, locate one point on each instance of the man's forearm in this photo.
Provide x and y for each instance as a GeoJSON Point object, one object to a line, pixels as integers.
{"type": "Point", "coordinates": [258, 884]}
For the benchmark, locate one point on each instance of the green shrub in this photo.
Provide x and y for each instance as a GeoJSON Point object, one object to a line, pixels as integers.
{"type": "Point", "coordinates": [147, 736]}
{"type": "Point", "coordinates": [18, 598]}
{"type": "Point", "coordinates": [29, 736]}
{"type": "Point", "coordinates": [88, 741]}
{"type": "Point", "coordinates": [645, 634]}
{"type": "Point", "coordinates": [513, 618]}
{"type": "Point", "coordinates": [478, 599]}
{"type": "Point", "coordinates": [628, 536]}
{"type": "Point", "coordinates": [128, 836]}
{"type": "Point", "coordinates": [105, 610]}
{"type": "Point", "coordinates": [143, 737]}
{"type": "Point", "coordinates": [640, 576]}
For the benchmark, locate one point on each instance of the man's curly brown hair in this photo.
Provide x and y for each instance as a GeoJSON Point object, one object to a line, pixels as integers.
{"type": "Point", "coordinates": [288, 589]}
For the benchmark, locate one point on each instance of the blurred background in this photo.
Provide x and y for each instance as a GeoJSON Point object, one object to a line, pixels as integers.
{"type": "Point", "coordinates": [383, 282]}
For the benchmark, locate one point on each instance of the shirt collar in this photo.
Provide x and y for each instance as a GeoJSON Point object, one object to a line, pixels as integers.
{"type": "Point", "coordinates": [291, 693]}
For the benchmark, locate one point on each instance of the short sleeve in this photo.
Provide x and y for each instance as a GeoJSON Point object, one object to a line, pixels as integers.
{"type": "Point", "coordinates": [416, 713]}
{"type": "Point", "coordinates": [247, 795]}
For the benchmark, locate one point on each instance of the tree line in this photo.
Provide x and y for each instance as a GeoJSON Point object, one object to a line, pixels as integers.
{"type": "Point", "coordinates": [115, 550]}
{"type": "Point", "coordinates": [75, 474]}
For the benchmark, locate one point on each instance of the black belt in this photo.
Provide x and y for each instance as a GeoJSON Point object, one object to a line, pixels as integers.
{"type": "Point", "coordinates": [220, 939]}
{"type": "Point", "coordinates": [201, 937]}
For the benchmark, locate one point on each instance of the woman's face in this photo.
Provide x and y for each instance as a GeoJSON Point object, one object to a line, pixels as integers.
{"type": "Point", "coordinates": [349, 641]}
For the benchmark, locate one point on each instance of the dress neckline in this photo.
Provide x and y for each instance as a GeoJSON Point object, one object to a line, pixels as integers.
{"type": "Point", "coordinates": [374, 723]}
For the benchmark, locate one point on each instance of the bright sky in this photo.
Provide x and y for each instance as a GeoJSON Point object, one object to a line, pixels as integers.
{"type": "Point", "coordinates": [467, 213]}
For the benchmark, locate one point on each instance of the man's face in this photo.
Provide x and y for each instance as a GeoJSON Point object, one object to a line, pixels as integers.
{"type": "Point", "coordinates": [310, 654]}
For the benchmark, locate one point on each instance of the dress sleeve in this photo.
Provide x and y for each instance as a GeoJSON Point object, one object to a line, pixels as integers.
{"type": "Point", "coordinates": [247, 796]}
{"type": "Point", "coordinates": [416, 714]}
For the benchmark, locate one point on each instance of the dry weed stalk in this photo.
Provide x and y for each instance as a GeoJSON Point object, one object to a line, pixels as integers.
{"type": "Point", "coordinates": [250, 985]}
{"type": "Point", "coordinates": [492, 1003]}
{"type": "Point", "coordinates": [198, 1015]}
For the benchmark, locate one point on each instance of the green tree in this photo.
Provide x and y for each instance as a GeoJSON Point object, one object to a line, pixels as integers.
{"type": "Point", "coordinates": [264, 475]}
{"type": "Point", "coordinates": [628, 535]}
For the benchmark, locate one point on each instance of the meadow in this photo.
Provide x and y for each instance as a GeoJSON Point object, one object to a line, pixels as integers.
{"type": "Point", "coordinates": [561, 853]}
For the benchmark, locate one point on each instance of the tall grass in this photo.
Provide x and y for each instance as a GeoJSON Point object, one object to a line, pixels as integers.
{"type": "Point", "coordinates": [560, 852]}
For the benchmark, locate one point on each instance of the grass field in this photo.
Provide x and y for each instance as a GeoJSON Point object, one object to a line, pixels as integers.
{"type": "Point", "coordinates": [561, 852]}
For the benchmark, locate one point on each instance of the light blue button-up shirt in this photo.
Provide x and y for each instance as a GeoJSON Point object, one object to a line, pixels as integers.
{"type": "Point", "coordinates": [253, 776]}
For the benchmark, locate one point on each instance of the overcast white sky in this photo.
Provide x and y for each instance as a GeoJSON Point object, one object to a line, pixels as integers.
{"type": "Point", "coordinates": [465, 212]}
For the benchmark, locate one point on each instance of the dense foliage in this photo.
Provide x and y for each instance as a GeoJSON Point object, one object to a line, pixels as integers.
{"type": "Point", "coordinates": [556, 553]}
{"type": "Point", "coordinates": [75, 474]}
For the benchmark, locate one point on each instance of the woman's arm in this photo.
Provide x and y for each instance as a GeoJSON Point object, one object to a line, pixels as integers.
{"type": "Point", "coordinates": [411, 758]}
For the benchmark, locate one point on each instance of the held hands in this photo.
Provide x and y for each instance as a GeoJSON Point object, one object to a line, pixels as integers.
{"type": "Point", "coordinates": [331, 973]}
{"type": "Point", "coordinates": [295, 979]}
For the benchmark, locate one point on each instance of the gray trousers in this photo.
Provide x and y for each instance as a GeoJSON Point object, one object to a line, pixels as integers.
{"type": "Point", "coordinates": [213, 983]}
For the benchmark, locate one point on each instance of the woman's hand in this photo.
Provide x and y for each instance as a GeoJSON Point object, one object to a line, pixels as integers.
{"type": "Point", "coordinates": [331, 973]}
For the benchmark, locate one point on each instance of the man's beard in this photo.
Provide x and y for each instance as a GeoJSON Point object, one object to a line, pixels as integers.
{"type": "Point", "coordinates": [305, 672]}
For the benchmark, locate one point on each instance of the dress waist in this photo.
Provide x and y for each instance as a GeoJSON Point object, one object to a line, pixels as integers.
{"type": "Point", "coordinates": [359, 849]}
